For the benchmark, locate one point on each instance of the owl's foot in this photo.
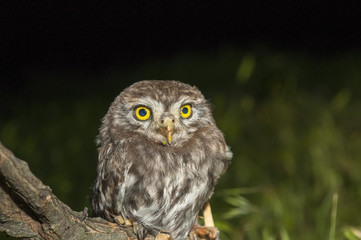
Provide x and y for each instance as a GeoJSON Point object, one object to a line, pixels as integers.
{"type": "Point", "coordinates": [200, 232]}
{"type": "Point", "coordinates": [163, 236]}
{"type": "Point", "coordinates": [138, 229]}
{"type": "Point", "coordinates": [123, 222]}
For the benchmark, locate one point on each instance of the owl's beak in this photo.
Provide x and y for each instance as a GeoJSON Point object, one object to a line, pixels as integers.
{"type": "Point", "coordinates": [167, 126]}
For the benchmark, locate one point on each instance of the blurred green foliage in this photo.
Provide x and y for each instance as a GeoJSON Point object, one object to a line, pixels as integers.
{"type": "Point", "coordinates": [292, 121]}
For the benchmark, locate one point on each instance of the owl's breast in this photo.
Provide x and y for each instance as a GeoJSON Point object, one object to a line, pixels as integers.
{"type": "Point", "coordinates": [163, 187]}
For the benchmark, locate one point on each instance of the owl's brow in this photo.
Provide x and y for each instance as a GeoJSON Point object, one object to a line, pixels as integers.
{"type": "Point", "coordinates": [149, 102]}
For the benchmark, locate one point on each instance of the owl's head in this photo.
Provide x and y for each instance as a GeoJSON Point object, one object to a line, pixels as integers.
{"type": "Point", "coordinates": [166, 112]}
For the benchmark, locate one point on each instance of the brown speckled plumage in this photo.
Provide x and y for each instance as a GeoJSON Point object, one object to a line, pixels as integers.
{"type": "Point", "coordinates": [160, 186]}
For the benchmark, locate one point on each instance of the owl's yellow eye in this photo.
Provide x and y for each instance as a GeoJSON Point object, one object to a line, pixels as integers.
{"type": "Point", "coordinates": [142, 113]}
{"type": "Point", "coordinates": [186, 111]}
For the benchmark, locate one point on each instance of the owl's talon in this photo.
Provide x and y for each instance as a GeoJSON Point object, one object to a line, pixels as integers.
{"type": "Point", "coordinates": [119, 220]}
{"type": "Point", "coordinates": [128, 222]}
{"type": "Point", "coordinates": [163, 236]}
{"type": "Point", "coordinates": [200, 232]}
{"type": "Point", "coordinates": [123, 222]}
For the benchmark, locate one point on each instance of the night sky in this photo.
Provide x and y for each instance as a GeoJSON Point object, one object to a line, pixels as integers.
{"type": "Point", "coordinates": [91, 35]}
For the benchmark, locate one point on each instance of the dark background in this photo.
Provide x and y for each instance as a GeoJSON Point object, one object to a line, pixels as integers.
{"type": "Point", "coordinates": [91, 35]}
{"type": "Point", "coordinates": [283, 76]}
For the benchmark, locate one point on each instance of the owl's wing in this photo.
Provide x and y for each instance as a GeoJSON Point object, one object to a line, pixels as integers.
{"type": "Point", "coordinates": [109, 189]}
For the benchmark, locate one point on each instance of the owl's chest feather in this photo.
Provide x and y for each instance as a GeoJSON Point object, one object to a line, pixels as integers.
{"type": "Point", "coordinates": [165, 168]}
{"type": "Point", "coordinates": [164, 182]}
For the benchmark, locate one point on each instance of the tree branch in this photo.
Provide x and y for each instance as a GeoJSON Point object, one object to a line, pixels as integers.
{"type": "Point", "coordinates": [28, 209]}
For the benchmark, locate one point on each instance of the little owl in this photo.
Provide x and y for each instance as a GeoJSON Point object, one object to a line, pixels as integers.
{"type": "Point", "coordinates": [160, 156]}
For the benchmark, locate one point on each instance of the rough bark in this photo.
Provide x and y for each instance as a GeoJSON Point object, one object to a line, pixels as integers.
{"type": "Point", "coordinates": [28, 209]}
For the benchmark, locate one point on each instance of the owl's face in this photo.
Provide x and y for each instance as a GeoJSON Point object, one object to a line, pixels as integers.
{"type": "Point", "coordinates": [166, 112]}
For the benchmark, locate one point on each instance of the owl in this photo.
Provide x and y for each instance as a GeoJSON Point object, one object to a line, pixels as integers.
{"type": "Point", "coordinates": [160, 156]}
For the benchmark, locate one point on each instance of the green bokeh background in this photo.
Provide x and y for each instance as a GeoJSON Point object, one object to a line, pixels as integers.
{"type": "Point", "coordinates": [292, 120]}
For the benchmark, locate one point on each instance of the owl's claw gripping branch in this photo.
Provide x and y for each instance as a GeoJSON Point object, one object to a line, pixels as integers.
{"type": "Point", "coordinates": [163, 236]}
{"type": "Point", "coordinates": [202, 232]}
{"type": "Point", "coordinates": [123, 222]}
